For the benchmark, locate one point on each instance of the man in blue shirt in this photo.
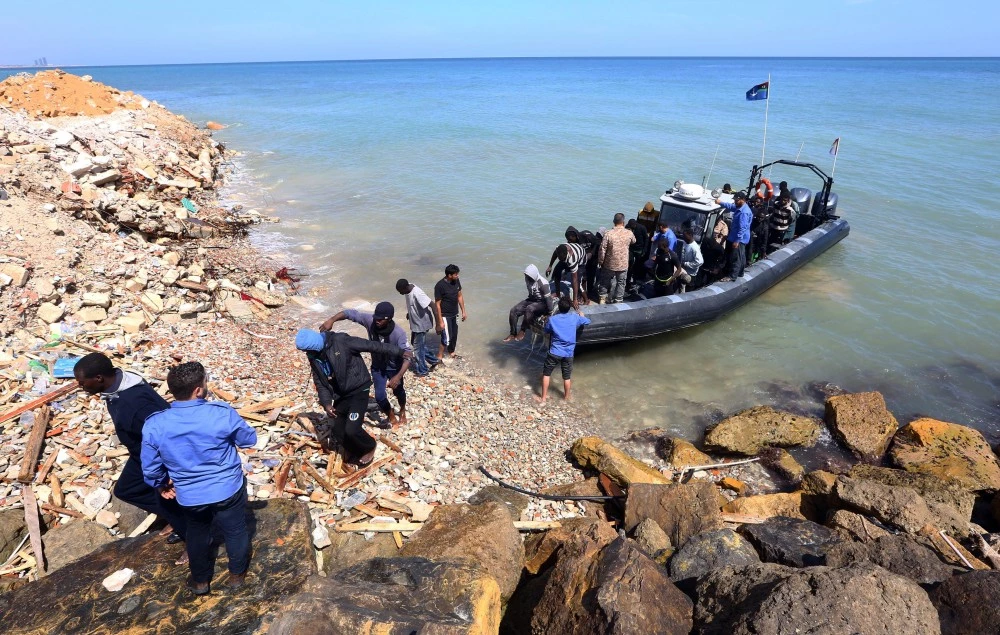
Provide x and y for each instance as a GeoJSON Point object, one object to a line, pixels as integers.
{"type": "Point", "coordinates": [189, 454]}
{"type": "Point", "coordinates": [739, 235]}
{"type": "Point", "coordinates": [562, 327]}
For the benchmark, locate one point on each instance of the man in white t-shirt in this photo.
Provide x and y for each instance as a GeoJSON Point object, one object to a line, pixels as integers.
{"type": "Point", "coordinates": [691, 258]}
{"type": "Point", "coordinates": [421, 315]}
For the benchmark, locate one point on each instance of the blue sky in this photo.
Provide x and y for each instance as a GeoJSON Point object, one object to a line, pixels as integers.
{"type": "Point", "coordinates": [184, 31]}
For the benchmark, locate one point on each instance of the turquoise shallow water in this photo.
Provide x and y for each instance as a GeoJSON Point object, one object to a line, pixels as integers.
{"type": "Point", "coordinates": [381, 170]}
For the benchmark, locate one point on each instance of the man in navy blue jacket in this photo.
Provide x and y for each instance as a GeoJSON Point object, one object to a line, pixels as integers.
{"type": "Point", "coordinates": [739, 234]}
{"type": "Point", "coordinates": [130, 400]}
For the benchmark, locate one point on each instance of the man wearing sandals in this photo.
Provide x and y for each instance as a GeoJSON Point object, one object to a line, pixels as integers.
{"type": "Point", "coordinates": [342, 384]}
{"type": "Point", "coordinates": [535, 305]}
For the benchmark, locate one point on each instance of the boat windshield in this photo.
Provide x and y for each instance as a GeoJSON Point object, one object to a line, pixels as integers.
{"type": "Point", "coordinates": [675, 217]}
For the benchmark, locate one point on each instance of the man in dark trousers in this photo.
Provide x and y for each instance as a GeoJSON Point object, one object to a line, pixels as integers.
{"type": "Point", "coordinates": [342, 383]}
{"type": "Point", "coordinates": [130, 400]}
{"type": "Point", "coordinates": [386, 371]}
{"type": "Point", "coordinates": [447, 301]}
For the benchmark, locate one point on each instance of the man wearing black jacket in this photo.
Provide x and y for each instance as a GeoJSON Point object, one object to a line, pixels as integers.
{"type": "Point", "coordinates": [130, 400]}
{"type": "Point", "coordinates": [342, 383]}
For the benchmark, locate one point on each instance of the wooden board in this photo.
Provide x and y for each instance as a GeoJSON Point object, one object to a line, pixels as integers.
{"type": "Point", "coordinates": [29, 462]}
{"type": "Point", "coordinates": [41, 401]}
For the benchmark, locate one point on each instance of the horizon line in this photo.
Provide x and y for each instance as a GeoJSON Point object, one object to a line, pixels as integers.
{"type": "Point", "coordinates": [519, 57]}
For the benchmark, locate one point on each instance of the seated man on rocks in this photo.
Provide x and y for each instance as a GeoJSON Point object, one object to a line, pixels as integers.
{"type": "Point", "coordinates": [534, 305]}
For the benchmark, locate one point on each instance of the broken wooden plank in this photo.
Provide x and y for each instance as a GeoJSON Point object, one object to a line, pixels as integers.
{"type": "Point", "coordinates": [360, 474]}
{"type": "Point", "coordinates": [41, 401]}
{"type": "Point", "coordinates": [82, 346]}
{"type": "Point", "coordinates": [398, 538]}
{"type": "Point", "coordinates": [29, 462]}
{"type": "Point", "coordinates": [389, 443]}
{"type": "Point", "coordinates": [367, 509]}
{"type": "Point", "coordinates": [143, 526]}
{"type": "Point", "coordinates": [316, 476]}
{"type": "Point", "coordinates": [281, 477]}
{"type": "Point", "coordinates": [34, 531]}
{"type": "Point", "coordinates": [224, 395]}
{"type": "Point", "coordinates": [270, 404]}
{"type": "Point", "coordinates": [190, 284]}
{"type": "Point", "coordinates": [57, 493]}
{"type": "Point", "coordinates": [57, 509]}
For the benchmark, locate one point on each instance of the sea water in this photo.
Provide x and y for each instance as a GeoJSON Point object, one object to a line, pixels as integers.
{"type": "Point", "coordinates": [388, 169]}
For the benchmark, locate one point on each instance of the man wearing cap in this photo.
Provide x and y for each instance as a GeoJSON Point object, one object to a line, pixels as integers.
{"type": "Point", "coordinates": [387, 371]}
{"type": "Point", "coordinates": [739, 234]}
{"type": "Point", "coordinates": [342, 383]}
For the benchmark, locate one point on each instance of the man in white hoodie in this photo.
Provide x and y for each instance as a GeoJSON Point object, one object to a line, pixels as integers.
{"type": "Point", "coordinates": [534, 305]}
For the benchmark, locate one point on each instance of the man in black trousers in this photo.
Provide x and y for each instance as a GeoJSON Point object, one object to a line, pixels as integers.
{"type": "Point", "coordinates": [130, 400]}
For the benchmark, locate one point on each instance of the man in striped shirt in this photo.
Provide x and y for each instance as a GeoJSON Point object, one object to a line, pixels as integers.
{"type": "Point", "coordinates": [572, 257]}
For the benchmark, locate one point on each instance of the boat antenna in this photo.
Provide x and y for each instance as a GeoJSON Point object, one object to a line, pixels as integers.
{"type": "Point", "coordinates": [767, 102]}
{"type": "Point", "coordinates": [712, 169]}
{"type": "Point", "coordinates": [834, 150]}
{"type": "Point", "coordinates": [800, 150]}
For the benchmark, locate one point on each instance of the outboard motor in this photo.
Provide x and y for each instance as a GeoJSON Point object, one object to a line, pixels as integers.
{"type": "Point", "coordinates": [831, 206]}
{"type": "Point", "coordinates": [802, 196]}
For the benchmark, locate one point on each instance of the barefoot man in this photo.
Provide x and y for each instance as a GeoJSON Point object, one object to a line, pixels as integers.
{"type": "Point", "coordinates": [532, 307]}
{"type": "Point", "coordinates": [562, 326]}
{"type": "Point", "coordinates": [387, 370]}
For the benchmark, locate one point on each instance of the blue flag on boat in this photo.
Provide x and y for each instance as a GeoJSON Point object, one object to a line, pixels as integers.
{"type": "Point", "coordinates": [758, 92]}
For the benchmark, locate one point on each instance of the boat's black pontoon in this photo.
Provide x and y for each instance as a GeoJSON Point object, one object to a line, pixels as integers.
{"type": "Point", "coordinates": [773, 258]}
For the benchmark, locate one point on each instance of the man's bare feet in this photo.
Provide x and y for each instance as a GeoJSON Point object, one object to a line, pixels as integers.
{"type": "Point", "coordinates": [366, 459]}
{"type": "Point", "coordinates": [539, 399]}
{"type": "Point", "coordinates": [392, 418]}
{"type": "Point", "coordinates": [402, 417]}
{"type": "Point", "coordinates": [520, 336]}
{"type": "Point", "coordinates": [183, 559]}
{"type": "Point", "coordinates": [509, 338]}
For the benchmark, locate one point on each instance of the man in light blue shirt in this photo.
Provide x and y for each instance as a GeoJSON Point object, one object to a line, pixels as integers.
{"type": "Point", "coordinates": [739, 235]}
{"type": "Point", "coordinates": [189, 453]}
{"type": "Point", "coordinates": [562, 327]}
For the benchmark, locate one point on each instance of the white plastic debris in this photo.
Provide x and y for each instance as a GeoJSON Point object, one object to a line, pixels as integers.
{"type": "Point", "coordinates": [118, 579]}
{"type": "Point", "coordinates": [97, 499]}
{"type": "Point", "coordinates": [321, 537]}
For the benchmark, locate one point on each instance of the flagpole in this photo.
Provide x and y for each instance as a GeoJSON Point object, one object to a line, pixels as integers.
{"type": "Point", "coordinates": [834, 170]}
{"type": "Point", "coordinates": [767, 103]}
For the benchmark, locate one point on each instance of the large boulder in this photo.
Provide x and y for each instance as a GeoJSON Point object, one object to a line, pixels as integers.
{"type": "Point", "coordinates": [709, 551]}
{"type": "Point", "coordinates": [618, 591]}
{"type": "Point", "coordinates": [598, 454]}
{"type": "Point", "coordinates": [947, 451]}
{"type": "Point", "coordinates": [541, 549]}
{"type": "Point", "coordinates": [683, 454]}
{"type": "Point", "coordinates": [129, 516]}
{"type": "Point", "coordinates": [767, 505]}
{"type": "Point", "coordinates": [515, 503]}
{"type": "Point", "coordinates": [861, 422]}
{"type": "Point", "coordinates": [851, 526]}
{"type": "Point", "coordinates": [902, 555]}
{"type": "Point", "coordinates": [394, 595]}
{"type": "Point", "coordinates": [969, 604]}
{"type": "Point", "coordinates": [653, 541]}
{"type": "Point", "coordinates": [724, 593]}
{"type": "Point", "coordinates": [859, 598]}
{"type": "Point", "coordinates": [681, 510]}
{"type": "Point", "coordinates": [482, 534]}
{"type": "Point", "coordinates": [155, 600]}
{"type": "Point", "coordinates": [791, 541]}
{"type": "Point", "coordinates": [65, 543]}
{"type": "Point", "coordinates": [750, 431]}
{"type": "Point", "coordinates": [12, 530]}
{"type": "Point", "coordinates": [900, 507]}
{"type": "Point", "coordinates": [348, 549]}
{"type": "Point", "coordinates": [931, 488]}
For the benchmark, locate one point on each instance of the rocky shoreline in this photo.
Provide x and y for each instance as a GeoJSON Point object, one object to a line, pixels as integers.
{"type": "Point", "coordinates": [115, 241]}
